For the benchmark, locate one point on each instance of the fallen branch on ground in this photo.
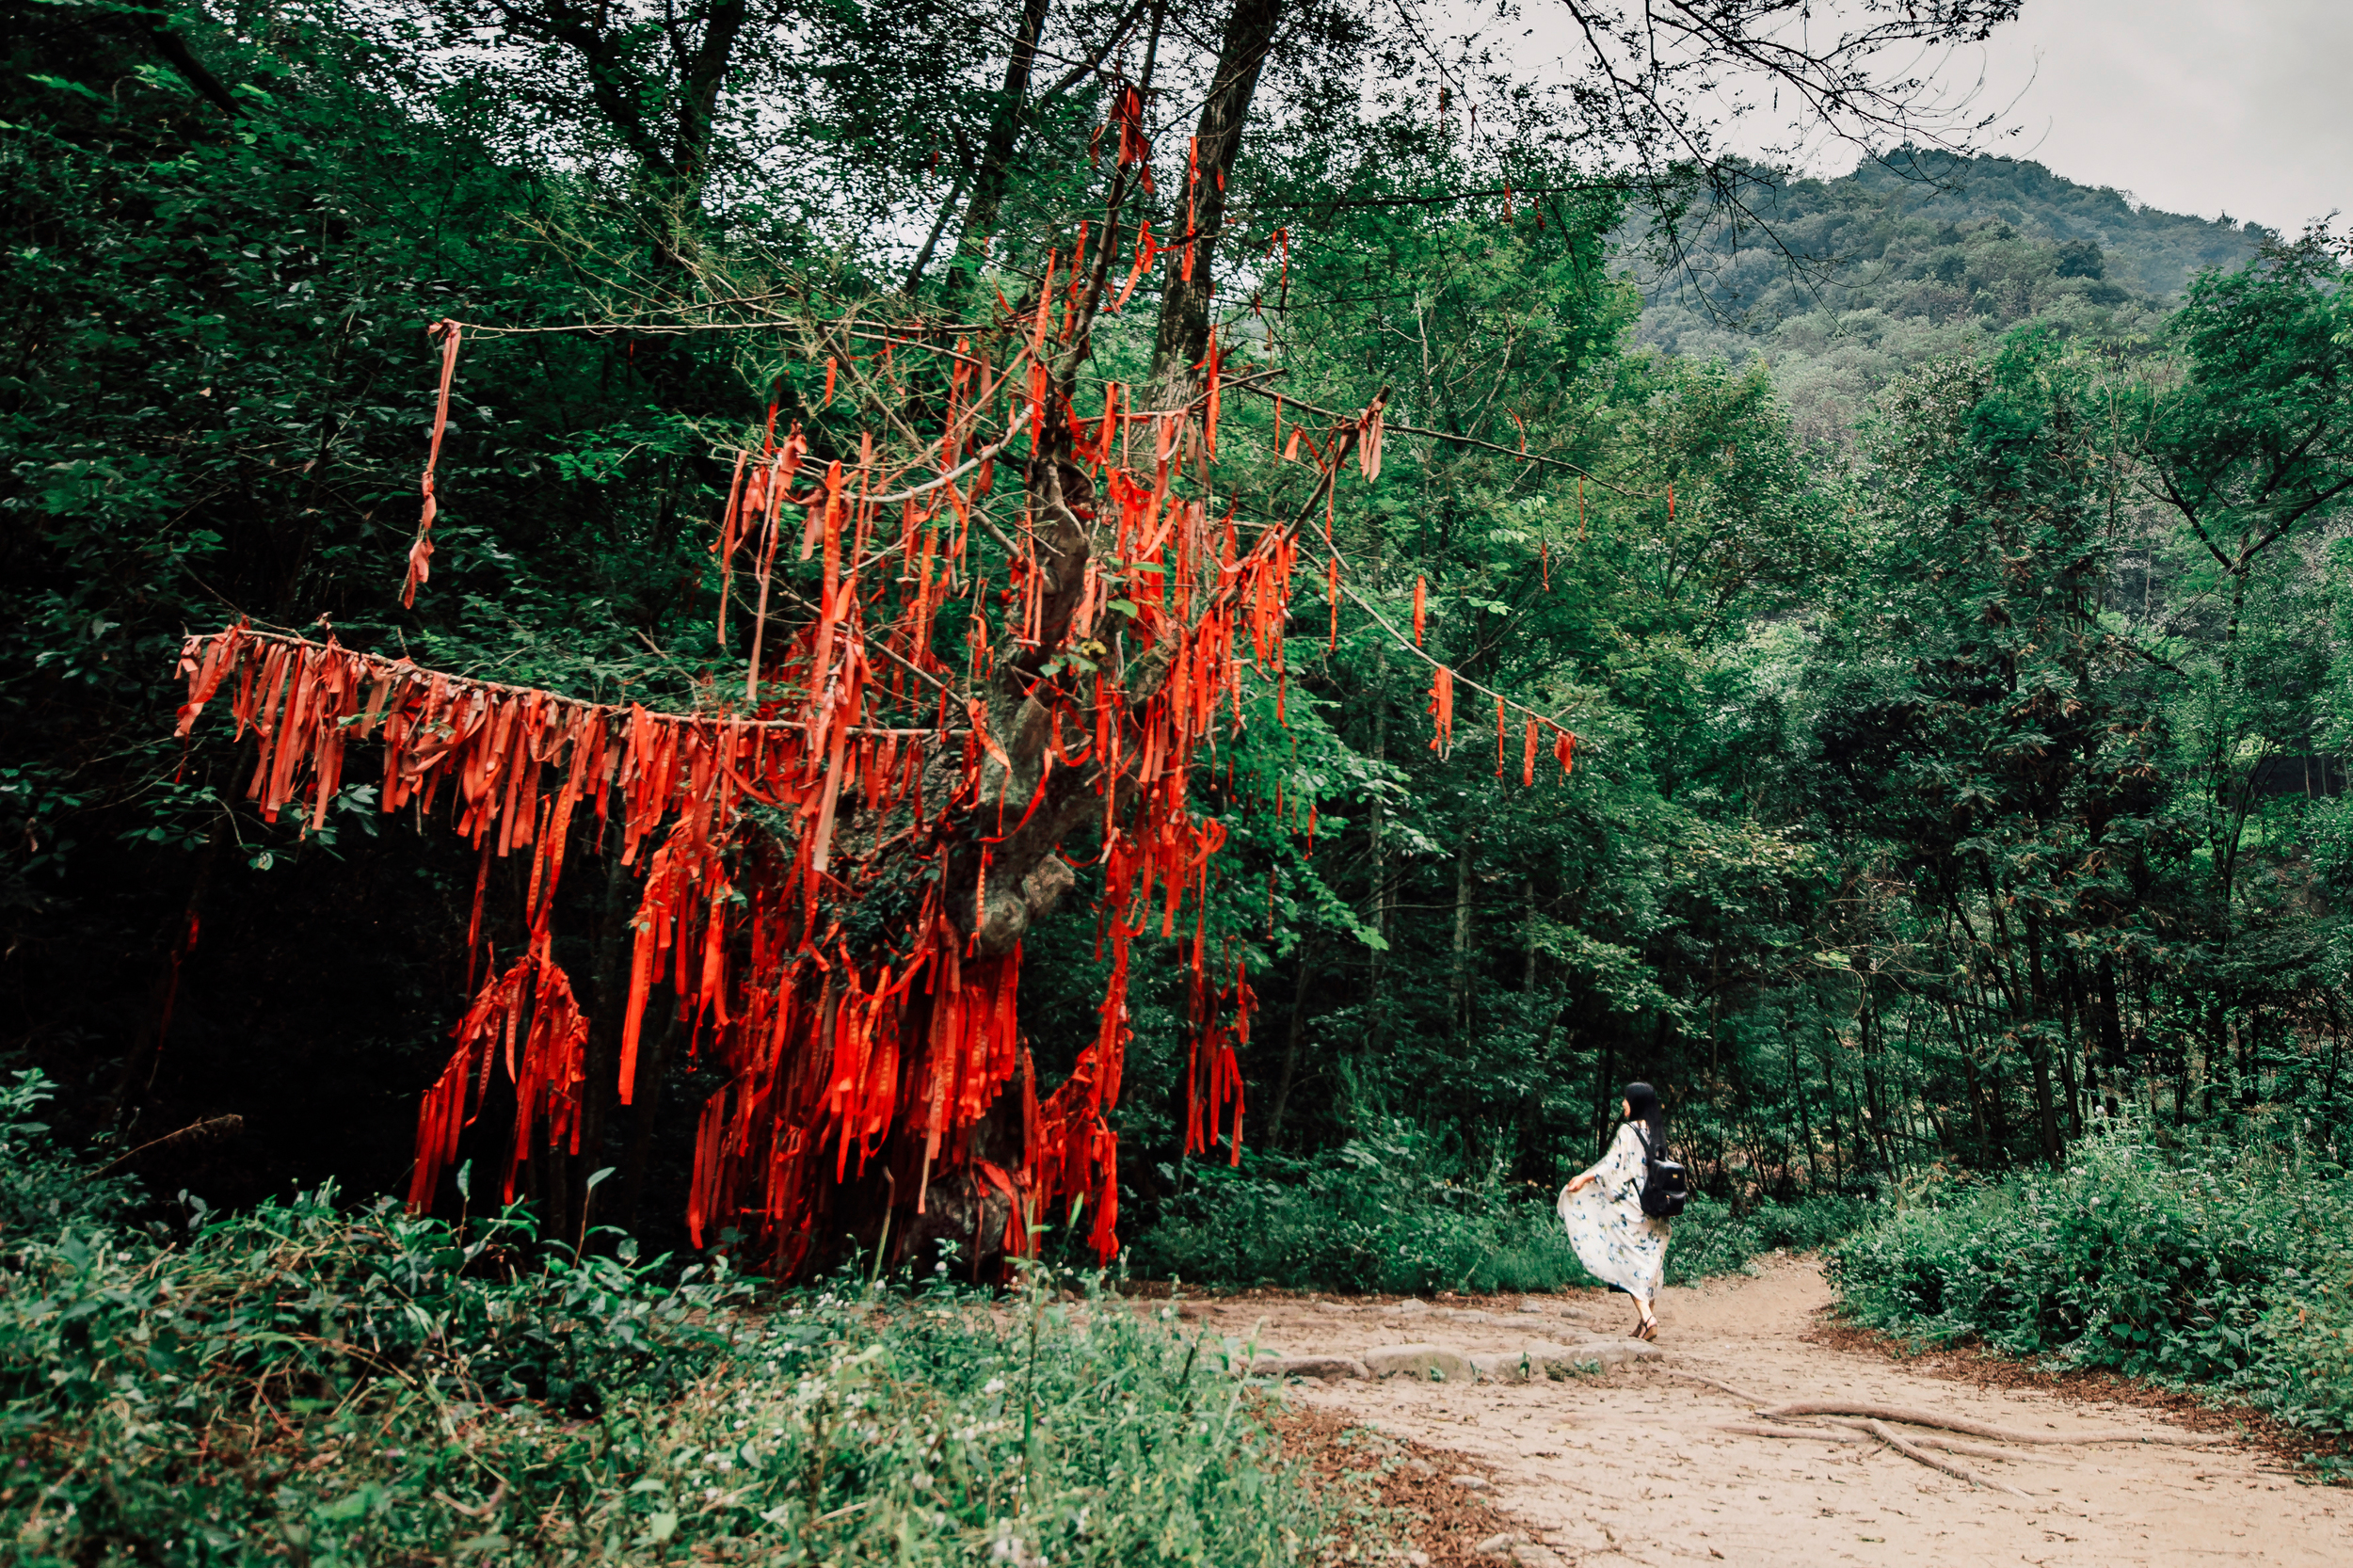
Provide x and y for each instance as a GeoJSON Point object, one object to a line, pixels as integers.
{"type": "Point", "coordinates": [1911, 1417]}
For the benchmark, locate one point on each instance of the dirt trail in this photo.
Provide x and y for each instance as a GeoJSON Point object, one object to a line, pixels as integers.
{"type": "Point", "coordinates": [1625, 1468]}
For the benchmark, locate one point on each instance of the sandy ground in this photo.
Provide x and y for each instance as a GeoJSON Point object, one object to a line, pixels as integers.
{"type": "Point", "coordinates": [1624, 1467]}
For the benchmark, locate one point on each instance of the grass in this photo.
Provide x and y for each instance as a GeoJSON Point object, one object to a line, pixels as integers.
{"type": "Point", "coordinates": [322, 1386]}
{"type": "Point", "coordinates": [2227, 1266]}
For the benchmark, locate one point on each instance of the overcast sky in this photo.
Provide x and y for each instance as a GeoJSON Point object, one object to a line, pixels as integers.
{"type": "Point", "coordinates": [2198, 106]}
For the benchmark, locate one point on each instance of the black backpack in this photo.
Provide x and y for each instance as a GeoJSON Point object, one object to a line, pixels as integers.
{"type": "Point", "coordinates": [1664, 1190]}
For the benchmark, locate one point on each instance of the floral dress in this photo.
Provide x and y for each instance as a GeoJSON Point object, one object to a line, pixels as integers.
{"type": "Point", "coordinates": [1618, 1243]}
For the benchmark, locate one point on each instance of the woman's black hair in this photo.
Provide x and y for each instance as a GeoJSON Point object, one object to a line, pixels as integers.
{"type": "Point", "coordinates": [1642, 1104]}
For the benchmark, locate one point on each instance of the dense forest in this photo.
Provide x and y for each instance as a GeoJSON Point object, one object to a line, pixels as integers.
{"type": "Point", "coordinates": [1839, 285]}
{"type": "Point", "coordinates": [1866, 655]}
{"type": "Point", "coordinates": [1935, 785]}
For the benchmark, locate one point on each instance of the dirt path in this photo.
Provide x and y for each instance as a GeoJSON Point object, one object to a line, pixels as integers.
{"type": "Point", "coordinates": [1625, 1468]}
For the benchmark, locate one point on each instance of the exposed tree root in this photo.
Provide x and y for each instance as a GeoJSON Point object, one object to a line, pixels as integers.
{"type": "Point", "coordinates": [1955, 1445]}
{"type": "Point", "coordinates": [1759, 1429]}
{"type": "Point", "coordinates": [1897, 1441]}
{"type": "Point", "coordinates": [1740, 1394]}
{"type": "Point", "coordinates": [1911, 1417]}
{"type": "Point", "coordinates": [1828, 1434]}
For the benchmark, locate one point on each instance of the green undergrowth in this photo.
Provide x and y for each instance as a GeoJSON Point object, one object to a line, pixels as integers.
{"type": "Point", "coordinates": [316, 1385]}
{"type": "Point", "coordinates": [1396, 1213]}
{"type": "Point", "coordinates": [2227, 1265]}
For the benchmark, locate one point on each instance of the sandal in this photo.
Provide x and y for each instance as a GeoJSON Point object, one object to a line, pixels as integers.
{"type": "Point", "coordinates": [1648, 1330]}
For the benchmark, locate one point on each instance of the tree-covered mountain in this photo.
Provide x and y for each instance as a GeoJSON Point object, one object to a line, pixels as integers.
{"type": "Point", "coordinates": [1842, 284]}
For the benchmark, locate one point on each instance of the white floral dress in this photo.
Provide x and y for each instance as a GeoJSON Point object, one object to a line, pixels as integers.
{"type": "Point", "coordinates": [1618, 1243]}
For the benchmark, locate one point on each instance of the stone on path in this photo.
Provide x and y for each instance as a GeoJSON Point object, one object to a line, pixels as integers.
{"type": "Point", "coordinates": [1430, 1363]}
{"type": "Point", "coordinates": [1308, 1366]}
{"type": "Point", "coordinates": [1560, 1361]}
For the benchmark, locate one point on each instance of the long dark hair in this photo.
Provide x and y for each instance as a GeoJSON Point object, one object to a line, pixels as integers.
{"type": "Point", "coordinates": [1642, 1103]}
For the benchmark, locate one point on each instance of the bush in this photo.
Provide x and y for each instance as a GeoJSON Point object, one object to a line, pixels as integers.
{"type": "Point", "coordinates": [1395, 1211]}
{"type": "Point", "coordinates": [2223, 1264]}
{"type": "Point", "coordinates": [311, 1385]}
{"type": "Point", "coordinates": [41, 1184]}
{"type": "Point", "coordinates": [1711, 1238]}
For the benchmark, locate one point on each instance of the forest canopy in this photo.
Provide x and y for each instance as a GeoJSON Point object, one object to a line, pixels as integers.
{"type": "Point", "coordinates": [1957, 711]}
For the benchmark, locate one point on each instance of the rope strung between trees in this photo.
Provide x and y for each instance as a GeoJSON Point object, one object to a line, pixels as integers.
{"type": "Point", "coordinates": [1347, 432]}
{"type": "Point", "coordinates": [1522, 454]}
{"type": "Point", "coordinates": [901, 1048]}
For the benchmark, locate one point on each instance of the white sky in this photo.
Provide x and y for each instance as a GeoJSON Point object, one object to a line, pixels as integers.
{"type": "Point", "coordinates": [2200, 106]}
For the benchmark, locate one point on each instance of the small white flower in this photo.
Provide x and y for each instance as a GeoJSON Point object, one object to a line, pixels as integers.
{"type": "Point", "coordinates": [994, 1386]}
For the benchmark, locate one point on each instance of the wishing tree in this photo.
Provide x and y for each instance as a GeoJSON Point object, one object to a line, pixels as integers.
{"type": "Point", "coordinates": [838, 863]}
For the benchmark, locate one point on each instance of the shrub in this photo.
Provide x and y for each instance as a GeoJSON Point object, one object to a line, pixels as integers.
{"type": "Point", "coordinates": [1394, 1210]}
{"type": "Point", "coordinates": [313, 1384]}
{"type": "Point", "coordinates": [42, 1187]}
{"type": "Point", "coordinates": [1397, 1211]}
{"type": "Point", "coordinates": [2224, 1264]}
{"type": "Point", "coordinates": [1711, 1238]}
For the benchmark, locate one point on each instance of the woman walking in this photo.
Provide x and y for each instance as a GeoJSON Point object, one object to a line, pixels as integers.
{"type": "Point", "coordinates": [1619, 1244]}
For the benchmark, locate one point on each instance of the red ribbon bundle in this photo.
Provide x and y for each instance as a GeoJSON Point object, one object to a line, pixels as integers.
{"type": "Point", "coordinates": [832, 1057]}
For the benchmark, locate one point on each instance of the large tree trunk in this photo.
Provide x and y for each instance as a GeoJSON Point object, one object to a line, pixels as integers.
{"type": "Point", "coordinates": [1183, 338]}
{"type": "Point", "coordinates": [1379, 846]}
{"type": "Point", "coordinates": [619, 87]}
{"type": "Point", "coordinates": [1291, 1036]}
{"type": "Point", "coordinates": [699, 111]}
{"type": "Point", "coordinates": [904, 1209]}
{"type": "Point", "coordinates": [178, 941]}
{"type": "Point", "coordinates": [2111, 1023]}
{"type": "Point", "coordinates": [1458, 991]}
{"type": "Point", "coordinates": [2039, 1014]}
{"type": "Point", "coordinates": [992, 175]}
{"type": "Point", "coordinates": [1805, 1114]}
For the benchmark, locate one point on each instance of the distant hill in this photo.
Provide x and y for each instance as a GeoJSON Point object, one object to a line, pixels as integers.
{"type": "Point", "coordinates": [1920, 255]}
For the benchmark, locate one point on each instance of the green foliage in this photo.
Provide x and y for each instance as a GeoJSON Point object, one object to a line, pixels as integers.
{"type": "Point", "coordinates": [1920, 256]}
{"type": "Point", "coordinates": [2223, 1262]}
{"type": "Point", "coordinates": [1399, 1212]}
{"type": "Point", "coordinates": [359, 1386]}
{"type": "Point", "coordinates": [1711, 1238]}
{"type": "Point", "coordinates": [1939, 643]}
{"type": "Point", "coordinates": [46, 1188]}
